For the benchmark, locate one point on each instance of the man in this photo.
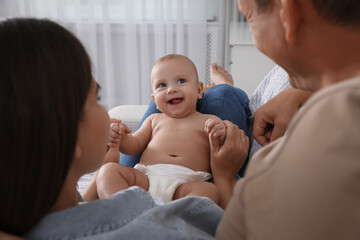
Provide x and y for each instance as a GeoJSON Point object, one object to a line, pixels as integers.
{"type": "Point", "coordinates": [304, 185]}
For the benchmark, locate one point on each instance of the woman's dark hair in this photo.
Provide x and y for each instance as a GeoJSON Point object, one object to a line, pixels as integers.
{"type": "Point", "coordinates": [341, 12]}
{"type": "Point", "coordinates": [45, 77]}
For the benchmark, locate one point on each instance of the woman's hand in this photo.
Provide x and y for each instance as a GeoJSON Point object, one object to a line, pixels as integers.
{"type": "Point", "coordinates": [227, 159]}
{"type": "Point", "coordinates": [273, 118]}
{"type": "Point", "coordinates": [117, 130]}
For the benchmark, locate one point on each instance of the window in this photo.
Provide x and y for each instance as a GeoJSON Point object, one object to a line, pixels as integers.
{"type": "Point", "coordinates": [116, 10]}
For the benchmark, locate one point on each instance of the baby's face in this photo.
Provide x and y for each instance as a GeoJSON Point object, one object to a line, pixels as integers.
{"type": "Point", "coordinates": [175, 87]}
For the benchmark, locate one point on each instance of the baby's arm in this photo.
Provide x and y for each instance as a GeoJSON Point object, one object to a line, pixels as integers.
{"type": "Point", "coordinates": [132, 144]}
{"type": "Point", "coordinates": [216, 129]}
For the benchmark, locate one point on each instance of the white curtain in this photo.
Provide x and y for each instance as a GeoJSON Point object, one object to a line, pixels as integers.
{"type": "Point", "coordinates": [125, 37]}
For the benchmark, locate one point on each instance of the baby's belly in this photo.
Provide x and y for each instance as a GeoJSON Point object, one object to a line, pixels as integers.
{"type": "Point", "coordinates": [195, 161]}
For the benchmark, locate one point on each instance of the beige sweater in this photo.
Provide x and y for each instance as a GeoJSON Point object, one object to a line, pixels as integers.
{"type": "Point", "coordinates": [305, 185]}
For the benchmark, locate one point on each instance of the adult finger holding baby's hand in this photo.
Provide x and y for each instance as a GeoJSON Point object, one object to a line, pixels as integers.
{"type": "Point", "coordinates": [216, 129]}
{"type": "Point", "coordinates": [117, 129]}
{"type": "Point", "coordinates": [227, 159]}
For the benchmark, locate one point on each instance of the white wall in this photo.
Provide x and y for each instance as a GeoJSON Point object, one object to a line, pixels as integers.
{"type": "Point", "coordinates": [247, 64]}
{"type": "Point", "coordinates": [248, 67]}
{"type": "Point", "coordinates": [5, 8]}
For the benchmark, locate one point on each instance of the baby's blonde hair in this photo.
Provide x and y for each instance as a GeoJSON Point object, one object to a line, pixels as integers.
{"type": "Point", "coordinates": [175, 56]}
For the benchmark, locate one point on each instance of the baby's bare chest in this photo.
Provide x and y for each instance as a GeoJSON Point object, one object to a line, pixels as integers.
{"type": "Point", "coordinates": [179, 141]}
{"type": "Point", "coordinates": [180, 129]}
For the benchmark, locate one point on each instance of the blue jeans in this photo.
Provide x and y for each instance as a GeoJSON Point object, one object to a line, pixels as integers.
{"type": "Point", "coordinates": [224, 101]}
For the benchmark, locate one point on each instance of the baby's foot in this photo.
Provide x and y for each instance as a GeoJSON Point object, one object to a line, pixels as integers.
{"type": "Point", "coordinates": [207, 87]}
{"type": "Point", "coordinates": [218, 75]}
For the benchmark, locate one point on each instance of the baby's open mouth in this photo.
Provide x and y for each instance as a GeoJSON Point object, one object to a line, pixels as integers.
{"type": "Point", "coordinates": [175, 100]}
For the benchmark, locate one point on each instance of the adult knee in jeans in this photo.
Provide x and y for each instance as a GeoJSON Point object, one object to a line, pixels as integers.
{"type": "Point", "coordinates": [228, 103]}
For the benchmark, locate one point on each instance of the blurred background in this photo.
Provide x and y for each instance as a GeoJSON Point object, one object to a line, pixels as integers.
{"type": "Point", "coordinates": [125, 37]}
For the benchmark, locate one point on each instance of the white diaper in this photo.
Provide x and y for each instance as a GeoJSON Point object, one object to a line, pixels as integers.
{"type": "Point", "coordinates": [164, 179]}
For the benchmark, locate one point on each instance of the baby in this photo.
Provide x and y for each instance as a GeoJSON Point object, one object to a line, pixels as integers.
{"type": "Point", "coordinates": [175, 147]}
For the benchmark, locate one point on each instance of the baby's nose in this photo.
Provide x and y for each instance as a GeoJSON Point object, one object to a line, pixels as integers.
{"type": "Point", "coordinates": [172, 89]}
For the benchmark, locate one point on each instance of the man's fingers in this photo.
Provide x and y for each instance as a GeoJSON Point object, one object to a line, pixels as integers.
{"type": "Point", "coordinates": [232, 135]}
{"type": "Point", "coordinates": [214, 144]}
{"type": "Point", "coordinates": [260, 131]}
{"type": "Point", "coordinates": [263, 138]}
{"type": "Point", "coordinates": [277, 132]}
{"type": "Point", "coordinates": [216, 128]}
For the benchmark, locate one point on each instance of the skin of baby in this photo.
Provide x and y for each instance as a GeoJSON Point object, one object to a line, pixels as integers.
{"type": "Point", "coordinates": [179, 135]}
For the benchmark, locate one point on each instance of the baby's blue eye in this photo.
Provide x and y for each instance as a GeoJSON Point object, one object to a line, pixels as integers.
{"type": "Point", "coordinates": [161, 85]}
{"type": "Point", "coordinates": [181, 80]}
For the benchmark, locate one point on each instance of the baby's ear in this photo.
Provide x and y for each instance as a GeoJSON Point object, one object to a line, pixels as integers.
{"type": "Point", "coordinates": [200, 90]}
{"type": "Point", "coordinates": [153, 98]}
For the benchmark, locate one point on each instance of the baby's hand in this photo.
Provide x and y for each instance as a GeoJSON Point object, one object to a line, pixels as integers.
{"type": "Point", "coordinates": [216, 129]}
{"type": "Point", "coordinates": [117, 130]}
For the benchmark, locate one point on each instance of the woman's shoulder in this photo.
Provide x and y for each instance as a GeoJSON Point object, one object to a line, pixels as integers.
{"type": "Point", "coordinates": [125, 212]}
{"type": "Point", "coordinates": [98, 216]}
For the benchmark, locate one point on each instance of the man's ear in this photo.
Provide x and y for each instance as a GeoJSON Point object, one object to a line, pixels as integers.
{"type": "Point", "coordinates": [290, 17]}
{"type": "Point", "coordinates": [200, 90]}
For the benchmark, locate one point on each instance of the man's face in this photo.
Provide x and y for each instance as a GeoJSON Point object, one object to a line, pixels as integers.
{"type": "Point", "coordinates": [265, 26]}
{"type": "Point", "coordinates": [268, 34]}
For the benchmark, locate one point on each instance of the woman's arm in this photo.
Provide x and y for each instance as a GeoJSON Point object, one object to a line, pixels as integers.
{"type": "Point", "coordinates": [227, 159]}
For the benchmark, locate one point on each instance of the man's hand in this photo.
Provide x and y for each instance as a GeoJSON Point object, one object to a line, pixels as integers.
{"type": "Point", "coordinates": [273, 118]}
{"type": "Point", "coordinates": [216, 129]}
{"type": "Point", "coordinates": [227, 159]}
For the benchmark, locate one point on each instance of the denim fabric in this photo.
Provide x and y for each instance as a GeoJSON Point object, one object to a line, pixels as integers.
{"type": "Point", "coordinates": [132, 214]}
{"type": "Point", "coordinates": [224, 101]}
{"type": "Point", "coordinates": [228, 103]}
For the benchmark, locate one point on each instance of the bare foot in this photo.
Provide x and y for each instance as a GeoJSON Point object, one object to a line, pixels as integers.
{"type": "Point", "coordinates": [207, 87]}
{"type": "Point", "coordinates": [219, 75]}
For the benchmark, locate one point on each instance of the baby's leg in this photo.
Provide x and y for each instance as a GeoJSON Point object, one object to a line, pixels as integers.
{"type": "Point", "coordinates": [113, 177]}
{"type": "Point", "coordinates": [198, 188]}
